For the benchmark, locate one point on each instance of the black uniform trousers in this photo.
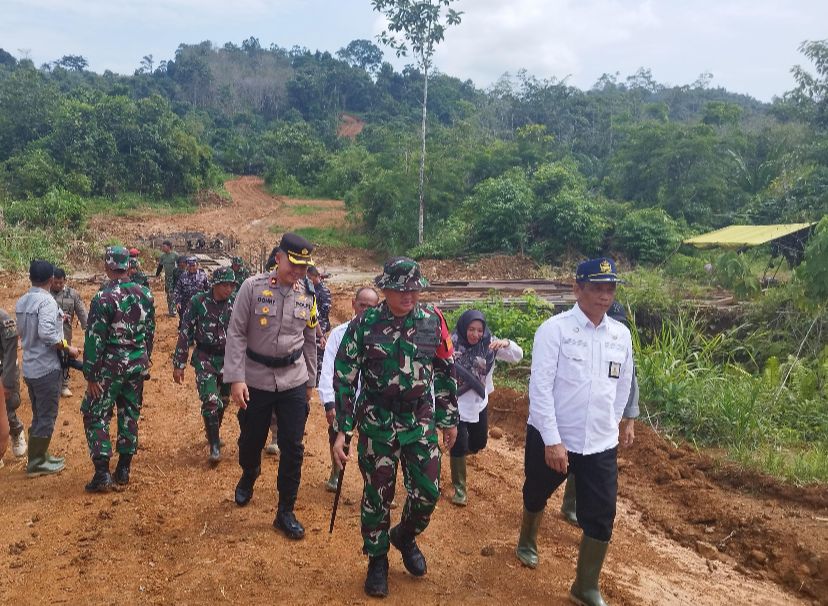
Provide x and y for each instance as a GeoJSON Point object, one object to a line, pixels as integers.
{"type": "Point", "coordinates": [291, 410]}
{"type": "Point", "coordinates": [596, 485]}
{"type": "Point", "coordinates": [471, 437]}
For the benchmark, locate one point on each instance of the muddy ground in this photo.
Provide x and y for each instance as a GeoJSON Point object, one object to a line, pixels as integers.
{"type": "Point", "coordinates": [690, 529]}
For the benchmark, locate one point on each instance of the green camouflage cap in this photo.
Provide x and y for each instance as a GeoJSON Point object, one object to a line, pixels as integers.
{"type": "Point", "coordinates": [401, 273]}
{"type": "Point", "coordinates": [222, 275]}
{"type": "Point", "coordinates": [116, 257]}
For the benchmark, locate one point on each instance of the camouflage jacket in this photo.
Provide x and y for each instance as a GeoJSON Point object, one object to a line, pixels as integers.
{"type": "Point", "coordinates": [397, 360]}
{"type": "Point", "coordinates": [9, 345]}
{"type": "Point", "coordinates": [188, 285]}
{"type": "Point", "coordinates": [205, 322]}
{"type": "Point", "coordinates": [177, 274]}
{"type": "Point", "coordinates": [241, 276]}
{"type": "Point", "coordinates": [323, 305]}
{"type": "Point", "coordinates": [120, 331]}
{"type": "Point", "coordinates": [140, 277]}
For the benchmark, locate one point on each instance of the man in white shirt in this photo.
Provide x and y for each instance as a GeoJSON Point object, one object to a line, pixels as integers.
{"type": "Point", "coordinates": [582, 369]}
{"type": "Point", "coordinates": [364, 298]}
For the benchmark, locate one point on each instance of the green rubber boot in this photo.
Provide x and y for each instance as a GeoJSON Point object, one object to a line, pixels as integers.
{"type": "Point", "coordinates": [458, 479]}
{"type": "Point", "coordinates": [41, 463]}
{"type": "Point", "coordinates": [568, 504]}
{"type": "Point", "coordinates": [585, 590]}
{"type": "Point", "coordinates": [527, 547]}
{"type": "Point", "coordinates": [332, 483]}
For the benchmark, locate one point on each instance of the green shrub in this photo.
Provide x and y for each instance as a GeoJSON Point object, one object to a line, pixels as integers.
{"type": "Point", "coordinates": [58, 208]}
{"type": "Point", "coordinates": [813, 272]}
{"type": "Point", "coordinates": [734, 272]}
{"type": "Point", "coordinates": [450, 240]}
{"type": "Point", "coordinates": [648, 235]}
{"type": "Point", "coordinates": [687, 268]}
{"type": "Point", "coordinates": [499, 212]}
{"type": "Point", "coordinates": [568, 221]}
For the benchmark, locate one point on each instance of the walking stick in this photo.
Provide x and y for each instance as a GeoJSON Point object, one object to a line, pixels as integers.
{"type": "Point", "coordinates": [339, 485]}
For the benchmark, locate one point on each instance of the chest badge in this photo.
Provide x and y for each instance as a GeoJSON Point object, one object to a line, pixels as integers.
{"type": "Point", "coordinates": [263, 321]}
{"type": "Point", "coordinates": [614, 370]}
{"type": "Point", "coordinates": [265, 309]}
{"type": "Point", "coordinates": [267, 292]}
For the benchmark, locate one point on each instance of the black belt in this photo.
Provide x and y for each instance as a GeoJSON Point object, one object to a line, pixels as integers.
{"type": "Point", "coordinates": [272, 362]}
{"type": "Point", "coordinates": [398, 406]}
{"type": "Point", "coordinates": [215, 350]}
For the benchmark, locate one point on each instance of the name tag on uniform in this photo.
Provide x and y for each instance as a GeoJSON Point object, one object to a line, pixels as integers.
{"type": "Point", "coordinates": [614, 370]}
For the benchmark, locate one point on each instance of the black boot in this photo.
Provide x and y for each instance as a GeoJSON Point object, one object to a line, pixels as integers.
{"type": "Point", "coordinates": [244, 489]}
{"type": "Point", "coordinates": [286, 522]}
{"type": "Point", "coordinates": [211, 427]}
{"type": "Point", "coordinates": [102, 480]}
{"type": "Point", "coordinates": [376, 582]}
{"type": "Point", "coordinates": [122, 469]}
{"type": "Point", "coordinates": [413, 558]}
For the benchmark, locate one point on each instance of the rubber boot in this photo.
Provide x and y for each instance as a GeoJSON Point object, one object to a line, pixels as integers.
{"type": "Point", "coordinates": [376, 581]}
{"type": "Point", "coordinates": [333, 480]}
{"type": "Point", "coordinates": [568, 503]}
{"type": "Point", "coordinates": [212, 428]}
{"type": "Point", "coordinates": [413, 559]}
{"type": "Point", "coordinates": [121, 475]}
{"type": "Point", "coordinates": [585, 590]}
{"type": "Point", "coordinates": [101, 481]}
{"type": "Point", "coordinates": [41, 463]}
{"type": "Point", "coordinates": [527, 547]}
{"type": "Point", "coordinates": [458, 478]}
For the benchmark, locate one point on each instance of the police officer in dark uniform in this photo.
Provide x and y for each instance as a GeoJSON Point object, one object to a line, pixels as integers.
{"type": "Point", "coordinates": [270, 362]}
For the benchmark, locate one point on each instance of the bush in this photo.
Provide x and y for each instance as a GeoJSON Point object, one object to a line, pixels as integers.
{"type": "Point", "coordinates": [58, 208]}
{"type": "Point", "coordinates": [648, 235]}
{"type": "Point", "coordinates": [814, 270]}
{"type": "Point", "coordinates": [499, 212]}
{"type": "Point", "coordinates": [451, 240]}
{"type": "Point", "coordinates": [734, 272]}
{"type": "Point", "coordinates": [567, 221]}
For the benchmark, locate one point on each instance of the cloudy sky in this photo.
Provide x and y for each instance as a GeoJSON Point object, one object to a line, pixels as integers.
{"type": "Point", "coordinates": [748, 45]}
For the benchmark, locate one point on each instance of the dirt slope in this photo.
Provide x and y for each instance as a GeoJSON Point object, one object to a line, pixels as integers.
{"type": "Point", "coordinates": [175, 535]}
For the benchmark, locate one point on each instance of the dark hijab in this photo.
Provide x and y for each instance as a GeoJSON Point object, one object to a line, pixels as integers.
{"type": "Point", "coordinates": [475, 362]}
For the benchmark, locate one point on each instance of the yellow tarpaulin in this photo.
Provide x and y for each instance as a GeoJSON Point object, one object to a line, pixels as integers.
{"type": "Point", "coordinates": [736, 236]}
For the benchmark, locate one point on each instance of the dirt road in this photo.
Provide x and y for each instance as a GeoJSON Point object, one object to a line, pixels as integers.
{"type": "Point", "coordinates": [688, 531]}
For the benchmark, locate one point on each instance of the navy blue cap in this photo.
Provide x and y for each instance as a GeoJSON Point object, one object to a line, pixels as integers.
{"type": "Point", "coordinates": [601, 269]}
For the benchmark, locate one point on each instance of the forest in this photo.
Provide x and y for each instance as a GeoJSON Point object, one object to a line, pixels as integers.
{"type": "Point", "coordinates": [530, 165]}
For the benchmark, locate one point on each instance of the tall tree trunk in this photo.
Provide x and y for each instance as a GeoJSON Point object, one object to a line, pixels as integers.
{"type": "Point", "coordinates": [422, 159]}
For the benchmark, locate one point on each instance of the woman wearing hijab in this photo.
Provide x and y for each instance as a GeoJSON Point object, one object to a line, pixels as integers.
{"type": "Point", "coordinates": [474, 360]}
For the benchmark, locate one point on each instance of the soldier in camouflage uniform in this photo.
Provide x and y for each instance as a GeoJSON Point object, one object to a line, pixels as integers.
{"type": "Point", "coordinates": [167, 262]}
{"type": "Point", "coordinates": [11, 381]}
{"type": "Point", "coordinates": [192, 281]}
{"type": "Point", "coordinates": [180, 268]}
{"type": "Point", "coordinates": [205, 323]}
{"type": "Point", "coordinates": [323, 302]}
{"type": "Point", "coordinates": [135, 273]}
{"type": "Point", "coordinates": [70, 302]}
{"type": "Point", "coordinates": [116, 355]}
{"type": "Point", "coordinates": [402, 351]}
{"type": "Point", "coordinates": [239, 270]}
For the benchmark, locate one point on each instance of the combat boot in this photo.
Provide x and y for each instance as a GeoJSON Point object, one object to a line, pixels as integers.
{"type": "Point", "coordinates": [413, 559]}
{"type": "Point", "coordinates": [286, 522]}
{"type": "Point", "coordinates": [333, 480]}
{"type": "Point", "coordinates": [212, 428]}
{"type": "Point", "coordinates": [458, 479]}
{"type": "Point", "coordinates": [527, 547]}
{"type": "Point", "coordinates": [19, 446]}
{"type": "Point", "coordinates": [568, 503]}
{"type": "Point", "coordinates": [122, 469]}
{"type": "Point", "coordinates": [585, 590]}
{"type": "Point", "coordinates": [40, 462]}
{"type": "Point", "coordinates": [376, 582]}
{"type": "Point", "coordinates": [244, 489]}
{"type": "Point", "coordinates": [101, 481]}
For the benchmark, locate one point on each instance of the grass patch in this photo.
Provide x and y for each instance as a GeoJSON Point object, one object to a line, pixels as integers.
{"type": "Point", "coordinates": [303, 210]}
{"type": "Point", "coordinates": [128, 204]}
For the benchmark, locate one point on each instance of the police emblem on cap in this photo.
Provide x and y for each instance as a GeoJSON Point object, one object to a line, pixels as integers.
{"type": "Point", "coordinates": [605, 267]}
{"type": "Point", "coordinates": [305, 251]}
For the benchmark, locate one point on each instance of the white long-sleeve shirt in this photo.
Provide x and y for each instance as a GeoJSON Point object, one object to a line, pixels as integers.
{"type": "Point", "coordinates": [470, 403]}
{"type": "Point", "coordinates": [580, 381]}
{"type": "Point", "coordinates": [325, 389]}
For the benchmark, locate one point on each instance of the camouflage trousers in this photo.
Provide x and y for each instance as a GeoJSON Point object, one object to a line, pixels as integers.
{"type": "Point", "coordinates": [169, 287]}
{"type": "Point", "coordinates": [378, 460]}
{"type": "Point", "coordinates": [214, 395]}
{"type": "Point", "coordinates": [125, 393]}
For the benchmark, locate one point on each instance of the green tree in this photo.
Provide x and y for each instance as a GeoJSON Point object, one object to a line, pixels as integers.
{"type": "Point", "coordinates": [648, 235]}
{"type": "Point", "coordinates": [363, 54]}
{"type": "Point", "coordinates": [422, 24]}
{"type": "Point", "coordinates": [814, 270]}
